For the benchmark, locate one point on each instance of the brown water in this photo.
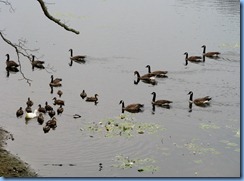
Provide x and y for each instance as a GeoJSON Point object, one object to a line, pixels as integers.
{"type": "Point", "coordinates": [120, 37]}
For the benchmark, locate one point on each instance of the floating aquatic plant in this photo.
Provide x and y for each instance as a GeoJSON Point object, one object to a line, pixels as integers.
{"type": "Point", "coordinates": [142, 165]}
{"type": "Point", "coordinates": [124, 125]}
{"type": "Point", "coordinates": [209, 126]}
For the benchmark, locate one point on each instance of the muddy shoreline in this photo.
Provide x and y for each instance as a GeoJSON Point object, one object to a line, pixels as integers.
{"type": "Point", "coordinates": [12, 166]}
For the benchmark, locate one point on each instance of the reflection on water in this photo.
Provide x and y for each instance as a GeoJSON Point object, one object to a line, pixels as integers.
{"type": "Point", "coordinates": [89, 139]}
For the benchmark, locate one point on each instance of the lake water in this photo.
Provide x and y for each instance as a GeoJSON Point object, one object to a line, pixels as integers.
{"type": "Point", "coordinates": [119, 37]}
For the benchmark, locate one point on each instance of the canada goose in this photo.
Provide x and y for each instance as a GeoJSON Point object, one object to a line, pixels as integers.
{"type": "Point", "coordinates": [147, 78]}
{"type": "Point", "coordinates": [48, 107]}
{"type": "Point", "coordinates": [11, 69]}
{"type": "Point", "coordinates": [76, 58]}
{"type": "Point", "coordinates": [40, 118]}
{"type": "Point", "coordinates": [52, 123]}
{"type": "Point", "coordinates": [55, 82]}
{"type": "Point", "coordinates": [83, 94]}
{"type": "Point", "coordinates": [28, 109]}
{"type": "Point", "coordinates": [58, 101]}
{"type": "Point", "coordinates": [194, 59]}
{"type": "Point", "coordinates": [92, 99]}
{"type": "Point", "coordinates": [10, 63]}
{"type": "Point", "coordinates": [41, 109]}
{"type": "Point", "coordinates": [46, 129]}
{"type": "Point", "coordinates": [51, 113]}
{"type": "Point", "coordinates": [60, 110]}
{"type": "Point", "coordinates": [204, 101]}
{"type": "Point", "coordinates": [29, 102]}
{"type": "Point", "coordinates": [19, 112]}
{"type": "Point", "coordinates": [160, 102]}
{"type": "Point", "coordinates": [159, 73]}
{"type": "Point", "coordinates": [209, 54]}
{"type": "Point", "coordinates": [37, 63]}
{"type": "Point", "coordinates": [133, 108]}
{"type": "Point", "coordinates": [60, 93]}
{"type": "Point", "coordinates": [31, 115]}
{"type": "Point", "coordinates": [75, 116]}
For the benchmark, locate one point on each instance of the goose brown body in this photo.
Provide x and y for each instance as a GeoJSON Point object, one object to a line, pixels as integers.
{"type": "Point", "coordinates": [48, 107]}
{"type": "Point", "coordinates": [60, 93]}
{"type": "Point", "coordinates": [83, 94]}
{"type": "Point", "coordinates": [133, 108]}
{"type": "Point", "coordinates": [157, 72]}
{"type": "Point", "coordinates": [76, 58]}
{"type": "Point", "coordinates": [199, 101]}
{"type": "Point", "coordinates": [58, 101]}
{"type": "Point", "coordinates": [60, 110]}
{"type": "Point", "coordinates": [194, 59]}
{"type": "Point", "coordinates": [37, 63]}
{"type": "Point", "coordinates": [55, 82]}
{"type": "Point", "coordinates": [10, 63]}
{"type": "Point", "coordinates": [41, 109]}
{"type": "Point", "coordinates": [160, 102]}
{"type": "Point", "coordinates": [92, 99]}
{"type": "Point", "coordinates": [52, 123]}
{"type": "Point", "coordinates": [40, 118]}
{"type": "Point", "coordinates": [19, 112]}
{"type": "Point", "coordinates": [209, 54]}
{"type": "Point", "coordinates": [29, 102]}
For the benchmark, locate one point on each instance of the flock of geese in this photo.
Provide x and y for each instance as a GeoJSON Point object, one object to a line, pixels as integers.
{"type": "Point", "coordinates": [150, 77]}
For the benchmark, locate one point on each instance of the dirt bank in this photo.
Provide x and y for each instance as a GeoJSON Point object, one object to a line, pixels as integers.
{"type": "Point", "coordinates": [12, 166]}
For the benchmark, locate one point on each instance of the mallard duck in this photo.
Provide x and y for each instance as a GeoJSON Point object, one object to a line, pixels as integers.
{"type": "Point", "coordinates": [209, 54]}
{"type": "Point", "coordinates": [133, 108]}
{"type": "Point", "coordinates": [10, 63]}
{"type": "Point", "coordinates": [204, 101]}
{"type": "Point", "coordinates": [55, 82]}
{"type": "Point", "coordinates": [76, 58]}
{"type": "Point", "coordinates": [41, 109]}
{"type": "Point", "coordinates": [29, 102]}
{"type": "Point", "coordinates": [160, 102]}
{"type": "Point", "coordinates": [46, 129]}
{"type": "Point", "coordinates": [158, 73]}
{"type": "Point", "coordinates": [147, 78]}
{"type": "Point", "coordinates": [19, 112]}
{"type": "Point", "coordinates": [51, 113]}
{"type": "Point", "coordinates": [194, 59]}
{"type": "Point", "coordinates": [60, 93]}
{"type": "Point", "coordinates": [58, 101]}
{"type": "Point", "coordinates": [40, 118]}
{"type": "Point", "coordinates": [83, 94]}
{"type": "Point", "coordinates": [28, 109]}
{"type": "Point", "coordinates": [37, 63]}
{"type": "Point", "coordinates": [48, 107]}
{"type": "Point", "coordinates": [92, 99]}
{"type": "Point", "coordinates": [31, 115]}
{"type": "Point", "coordinates": [52, 123]}
{"type": "Point", "coordinates": [60, 110]}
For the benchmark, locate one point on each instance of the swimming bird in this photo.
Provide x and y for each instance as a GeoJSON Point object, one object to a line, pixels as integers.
{"type": "Point", "coordinates": [58, 101]}
{"type": "Point", "coordinates": [55, 82]}
{"type": "Point", "coordinates": [147, 78]}
{"type": "Point", "coordinates": [60, 110]}
{"type": "Point", "coordinates": [41, 109]}
{"type": "Point", "coordinates": [52, 123]}
{"type": "Point", "coordinates": [48, 107]}
{"type": "Point", "coordinates": [133, 108]}
{"type": "Point", "coordinates": [158, 73]}
{"type": "Point", "coordinates": [161, 102]}
{"type": "Point", "coordinates": [83, 94]}
{"type": "Point", "coordinates": [60, 93]}
{"type": "Point", "coordinates": [209, 54]}
{"type": "Point", "coordinates": [19, 112]}
{"type": "Point", "coordinates": [204, 101]}
{"type": "Point", "coordinates": [28, 109]}
{"type": "Point", "coordinates": [37, 63]}
{"type": "Point", "coordinates": [29, 102]}
{"type": "Point", "coordinates": [10, 63]}
{"type": "Point", "coordinates": [92, 99]}
{"type": "Point", "coordinates": [46, 129]}
{"type": "Point", "coordinates": [31, 115]}
{"type": "Point", "coordinates": [76, 58]}
{"type": "Point", "coordinates": [194, 59]}
{"type": "Point", "coordinates": [51, 113]}
{"type": "Point", "coordinates": [40, 118]}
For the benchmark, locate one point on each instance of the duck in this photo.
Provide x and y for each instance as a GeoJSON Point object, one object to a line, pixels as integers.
{"type": "Point", "coordinates": [55, 82]}
{"type": "Point", "coordinates": [204, 101]}
{"type": "Point", "coordinates": [209, 54]}
{"type": "Point", "coordinates": [10, 63]}
{"type": "Point", "coordinates": [46, 129]}
{"type": "Point", "coordinates": [133, 108]}
{"type": "Point", "coordinates": [51, 113]}
{"type": "Point", "coordinates": [83, 94]}
{"type": "Point", "coordinates": [31, 115]}
{"type": "Point", "coordinates": [60, 110]}
{"type": "Point", "coordinates": [37, 63]}
{"type": "Point", "coordinates": [92, 99]}
{"type": "Point", "coordinates": [161, 102]}
{"type": "Point", "coordinates": [58, 101]}
{"type": "Point", "coordinates": [60, 93]}
{"type": "Point", "coordinates": [28, 109]}
{"type": "Point", "coordinates": [29, 102]}
{"type": "Point", "coordinates": [158, 73]}
{"type": "Point", "coordinates": [52, 123]}
{"type": "Point", "coordinates": [48, 107]}
{"type": "Point", "coordinates": [41, 109]}
{"type": "Point", "coordinates": [40, 118]}
{"type": "Point", "coordinates": [76, 58]}
{"type": "Point", "coordinates": [19, 112]}
{"type": "Point", "coordinates": [194, 59]}
{"type": "Point", "coordinates": [147, 78]}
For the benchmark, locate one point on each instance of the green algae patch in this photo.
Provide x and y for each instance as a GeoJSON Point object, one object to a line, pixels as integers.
{"type": "Point", "coordinates": [209, 126]}
{"type": "Point", "coordinates": [123, 125]}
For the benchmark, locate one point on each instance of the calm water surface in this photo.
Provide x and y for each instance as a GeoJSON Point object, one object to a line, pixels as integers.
{"type": "Point", "coordinates": [120, 37]}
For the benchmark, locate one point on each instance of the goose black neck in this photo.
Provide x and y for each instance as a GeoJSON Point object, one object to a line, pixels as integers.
{"type": "Point", "coordinates": [7, 57]}
{"type": "Point", "coordinates": [191, 96]}
{"type": "Point", "coordinates": [204, 49]}
{"type": "Point", "coordinates": [186, 62]}
{"type": "Point", "coordinates": [33, 58]}
{"type": "Point", "coordinates": [149, 69]}
{"type": "Point", "coordinates": [71, 52]}
{"type": "Point", "coordinates": [137, 73]}
{"type": "Point", "coordinates": [123, 104]}
{"type": "Point", "coordinates": [154, 97]}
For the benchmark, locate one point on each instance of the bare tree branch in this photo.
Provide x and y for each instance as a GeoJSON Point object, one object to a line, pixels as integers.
{"type": "Point", "coordinates": [44, 9]}
{"type": "Point", "coordinates": [11, 9]}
